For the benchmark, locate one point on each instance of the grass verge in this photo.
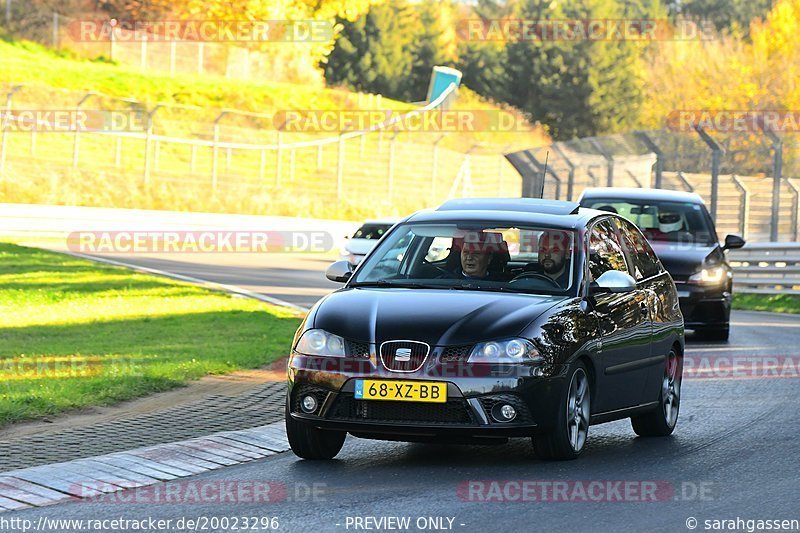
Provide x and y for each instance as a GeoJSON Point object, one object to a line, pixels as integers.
{"type": "Point", "coordinates": [76, 334]}
{"type": "Point", "coordinates": [776, 303]}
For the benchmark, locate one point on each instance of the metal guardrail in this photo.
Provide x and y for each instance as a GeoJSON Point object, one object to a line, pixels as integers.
{"type": "Point", "coordinates": [768, 268]}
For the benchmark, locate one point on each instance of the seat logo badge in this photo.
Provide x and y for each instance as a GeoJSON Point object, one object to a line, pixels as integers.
{"type": "Point", "coordinates": [402, 354]}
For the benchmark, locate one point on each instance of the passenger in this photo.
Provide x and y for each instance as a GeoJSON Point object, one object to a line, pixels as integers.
{"type": "Point", "coordinates": [480, 251]}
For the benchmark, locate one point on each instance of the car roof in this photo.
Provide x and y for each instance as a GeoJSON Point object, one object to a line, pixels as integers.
{"type": "Point", "coordinates": [631, 193]}
{"type": "Point", "coordinates": [526, 211]}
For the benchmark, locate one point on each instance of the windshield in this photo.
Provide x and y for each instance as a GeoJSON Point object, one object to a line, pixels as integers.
{"type": "Point", "coordinates": [473, 257]}
{"type": "Point", "coordinates": [371, 231]}
{"type": "Point", "coordinates": [682, 222]}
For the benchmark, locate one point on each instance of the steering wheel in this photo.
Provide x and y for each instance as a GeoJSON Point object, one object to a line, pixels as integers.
{"type": "Point", "coordinates": [451, 275]}
{"type": "Point", "coordinates": [536, 275]}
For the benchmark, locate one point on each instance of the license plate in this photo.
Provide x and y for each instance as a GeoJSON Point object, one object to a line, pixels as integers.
{"type": "Point", "coordinates": [403, 391]}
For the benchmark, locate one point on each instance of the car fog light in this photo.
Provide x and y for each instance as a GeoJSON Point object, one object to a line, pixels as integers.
{"type": "Point", "coordinates": [504, 412]}
{"type": "Point", "coordinates": [309, 404]}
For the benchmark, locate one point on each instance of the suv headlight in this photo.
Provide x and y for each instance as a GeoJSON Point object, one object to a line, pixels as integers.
{"type": "Point", "coordinates": [507, 351]}
{"type": "Point", "coordinates": [716, 275]}
{"type": "Point", "coordinates": [320, 342]}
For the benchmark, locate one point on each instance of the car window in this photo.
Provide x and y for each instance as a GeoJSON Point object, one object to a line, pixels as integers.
{"type": "Point", "coordinates": [605, 251]}
{"type": "Point", "coordinates": [474, 256]}
{"type": "Point", "coordinates": [641, 257]}
{"type": "Point", "coordinates": [661, 220]}
{"type": "Point", "coordinates": [371, 231]}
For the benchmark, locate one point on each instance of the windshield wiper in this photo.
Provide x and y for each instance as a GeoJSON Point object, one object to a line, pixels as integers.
{"type": "Point", "coordinates": [473, 287]}
{"type": "Point", "coordinates": [400, 285]}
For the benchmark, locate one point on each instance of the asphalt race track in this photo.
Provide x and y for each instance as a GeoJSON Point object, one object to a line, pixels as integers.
{"type": "Point", "coordinates": [733, 455]}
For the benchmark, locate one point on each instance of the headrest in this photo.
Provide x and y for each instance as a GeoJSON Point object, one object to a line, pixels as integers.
{"type": "Point", "coordinates": [486, 242]}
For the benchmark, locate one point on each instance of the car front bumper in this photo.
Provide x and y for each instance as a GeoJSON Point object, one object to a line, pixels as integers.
{"type": "Point", "coordinates": [704, 307]}
{"type": "Point", "coordinates": [467, 414]}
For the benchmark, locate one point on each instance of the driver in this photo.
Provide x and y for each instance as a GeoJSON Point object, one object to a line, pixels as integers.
{"type": "Point", "coordinates": [669, 221]}
{"type": "Point", "coordinates": [477, 250]}
{"type": "Point", "coordinates": [553, 250]}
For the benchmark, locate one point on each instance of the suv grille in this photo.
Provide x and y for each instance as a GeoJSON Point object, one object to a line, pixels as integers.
{"type": "Point", "coordinates": [404, 356]}
{"type": "Point", "coordinates": [451, 412]}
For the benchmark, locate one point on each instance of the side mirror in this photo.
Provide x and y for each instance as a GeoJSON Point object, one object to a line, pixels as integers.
{"type": "Point", "coordinates": [340, 271]}
{"type": "Point", "coordinates": [733, 242]}
{"type": "Point", "coordinates": [613, 281]}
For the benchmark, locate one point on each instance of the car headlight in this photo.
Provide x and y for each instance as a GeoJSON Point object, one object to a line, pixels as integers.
{"type": "Point", "coordinates": [320, 342]}
{"type": "Point", "coordinates": [507, 351]}
{"type": "Point", "coordinates": [711, 276]}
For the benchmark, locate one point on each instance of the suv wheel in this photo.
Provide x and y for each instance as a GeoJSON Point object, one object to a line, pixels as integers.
{"type": "Point", "coordinates": [568, 438]}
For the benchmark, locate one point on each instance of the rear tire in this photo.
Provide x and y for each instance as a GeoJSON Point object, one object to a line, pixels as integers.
{"type": "Point", "coordinates": [568, 439]}
{"type": "Point", "coordinates": [308, 442]}
{"type": "Point", "coordinates": [662, 421]}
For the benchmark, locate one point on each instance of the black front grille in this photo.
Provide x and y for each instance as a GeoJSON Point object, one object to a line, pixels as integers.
{"type": "Point", "coordinates": [453, 354]}
{"type": "Point", "coordinates": [359, 350]}
{"type": "Point", "coordinates": [451, 412]}
{"type": "Point", "coordinates": [404, 356]}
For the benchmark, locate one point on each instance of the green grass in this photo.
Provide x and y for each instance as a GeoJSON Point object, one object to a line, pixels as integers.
{"type": "Point", "coordinates": [776, 303]}
{"type": "Point", "coordinates": [75, 334]}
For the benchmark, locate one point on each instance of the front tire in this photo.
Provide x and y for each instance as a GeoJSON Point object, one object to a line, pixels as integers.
{"type": "Point", "coordinates": [568, 439]}
{"type": "Point", "coordinates": [661, 422]}
{"type": "Point", "coordinates": [308, 442]}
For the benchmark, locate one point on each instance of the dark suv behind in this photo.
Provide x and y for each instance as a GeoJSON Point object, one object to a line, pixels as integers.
{"type": "Point", "coordinates": [682, 233]}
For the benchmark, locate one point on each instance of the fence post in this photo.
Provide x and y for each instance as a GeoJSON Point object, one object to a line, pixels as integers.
{"type": "Point", "coordinates": [75, 150]}
{"type": "Point", "coordinates": [744, 210]}
{"type": "Point", "coordinates": [173, 45]}
{"type": "Point", "coordinates": [215, 151]}
{"type": "Point", "coordinates": [795, 205]}
{"type": "Point", "coordinates": [200, 58]}
{"type": "Point", "coordinates": [571, 173]}
{"type": "Point", "coordinates": [319, 156]}
{"type": "Point", "coordinates": [292, 152]}
{"type": "Point", "coordinates": [716, 150]}
{"type": "Point", "coordinates": [653, 147]}
{"type": "Point", "coordinates": [278, 158]}
{"type": "Point", "coordinates": [777, 170]}
{"type": "Point", "coordinates": [4, 123]}
{"type": "Point", "coordinates": [118, 151]}
{"type": "Point", "coordinates": [143, 56]}
{"type": "Point", "coordinates": [340, 168]}
{"type": "Point", "coordinates": [112, 39]}
{"type": "Point", "coordinates": [8, 12]}
{"type": "Point", "coordinates": [392, 143]}
{"type": "Point", "coordinates": [147, 140]}
{"type": "Point", "coordinates": [262, 163]}
{"type": "Point", "coordinates": [609, 160]}
{"type": "Point", "coordinates": [435, 164]}
{"type": "Point", "coordinates": [55, 31]}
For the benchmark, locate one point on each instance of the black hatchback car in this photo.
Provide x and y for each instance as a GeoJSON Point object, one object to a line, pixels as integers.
{"type": "Point", "coordinates": [682, 233]}
{"type": "Point", "coordinates": [489, 319]}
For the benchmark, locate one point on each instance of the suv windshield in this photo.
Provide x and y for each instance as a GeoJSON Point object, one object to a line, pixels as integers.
{"type": "Point", "coordinates": [473, 257]}
{"type": "Point", "coordinates": [371, 231]}
{"type": "Point", "coordinates": [662, 221]}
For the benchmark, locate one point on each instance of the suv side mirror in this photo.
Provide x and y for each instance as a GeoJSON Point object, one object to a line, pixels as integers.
{"type": "Point", "coordinates": [613, 281]}
{"type": "Point", "coordinates": [340, 271]}
{"type": "Point", "coordinates": [732, 242]}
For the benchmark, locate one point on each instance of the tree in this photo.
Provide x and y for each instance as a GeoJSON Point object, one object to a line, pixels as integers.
{"type": "Point", "coordinates": [373, 53]}
{"type": "Point", "coordinates": [733, 15]}
{"type": "Point", "coordinates": [575, 87]}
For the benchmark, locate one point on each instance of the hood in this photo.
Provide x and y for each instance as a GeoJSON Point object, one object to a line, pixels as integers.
{"type": "Point", "coordinates": [437, 317]}
{"type": "Point", "coordinates": [682, 260]}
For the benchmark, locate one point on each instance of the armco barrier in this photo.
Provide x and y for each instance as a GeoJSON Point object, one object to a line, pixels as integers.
{"type": "Point", "coordinates": [767, 268]}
